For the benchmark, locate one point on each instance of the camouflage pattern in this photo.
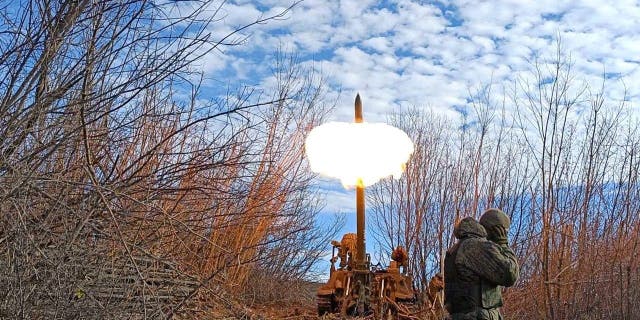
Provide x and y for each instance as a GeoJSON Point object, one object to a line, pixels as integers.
{"type": "Point", "coordinates": [469, 228]}
{"type": "Point", "coordinates": [484, 314]}
{"type": "Point", "coordinates": [494, 217]}
{"type": "Point", "coordinates": [496, 223]}
{"type": "Point", "coordinates": [475, 270]}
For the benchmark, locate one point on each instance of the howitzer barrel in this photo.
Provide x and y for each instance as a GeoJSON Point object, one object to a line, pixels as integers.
{"type": "Point", "coordinates": [358, 118]}
{"type": "Point", "coordinates": [360, 244]}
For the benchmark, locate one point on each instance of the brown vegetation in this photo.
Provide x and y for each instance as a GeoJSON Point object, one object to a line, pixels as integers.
{"type": "Point", "coordinates": [121, 197]}
{"type": "Point", "coordinates": [556, 155]}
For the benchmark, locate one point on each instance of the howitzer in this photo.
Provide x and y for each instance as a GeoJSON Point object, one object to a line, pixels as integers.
{"type": "Point", "coordinates": [385, 292]}
{"type": "Point", "coordinates": [357, 288]}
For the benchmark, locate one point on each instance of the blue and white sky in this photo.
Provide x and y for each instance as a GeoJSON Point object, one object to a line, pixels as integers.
{"type": "Point", "coordinates": [428, 53]}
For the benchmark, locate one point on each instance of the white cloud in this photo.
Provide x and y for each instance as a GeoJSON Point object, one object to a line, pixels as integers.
{"type": "Point", "coordinates": [379, 44]}
{"type": "Point", "coordinates": [235, 15]}
{"type": "Point", "coordinates": [411, 52]}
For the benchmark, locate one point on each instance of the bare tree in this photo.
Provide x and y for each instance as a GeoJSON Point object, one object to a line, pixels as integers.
{"type": "Point", "coordinates": [573, 135]}
{"type": "Point", "coordinates": [408, 212]}
{"type": "Point", "coordinates": [560, 158]}
{"type": "Point", "coordinates": [119, 192]}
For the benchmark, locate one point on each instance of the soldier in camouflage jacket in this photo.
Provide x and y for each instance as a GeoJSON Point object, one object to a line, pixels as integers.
{"type": "Point", "coordinates": [477, 266]}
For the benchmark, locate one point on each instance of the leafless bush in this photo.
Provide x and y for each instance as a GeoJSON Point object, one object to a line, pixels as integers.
{"type": "Point", "coordinates": [121, 198]}
{"type": "Point", "coordinates": [563, 166]}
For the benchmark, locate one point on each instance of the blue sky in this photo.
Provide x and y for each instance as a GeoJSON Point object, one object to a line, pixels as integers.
{"type": "Point", "coordinates": [428, 53]}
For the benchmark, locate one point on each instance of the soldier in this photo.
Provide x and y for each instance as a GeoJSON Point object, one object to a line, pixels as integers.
{"type": "Point", "coordinates": [477, 266]}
